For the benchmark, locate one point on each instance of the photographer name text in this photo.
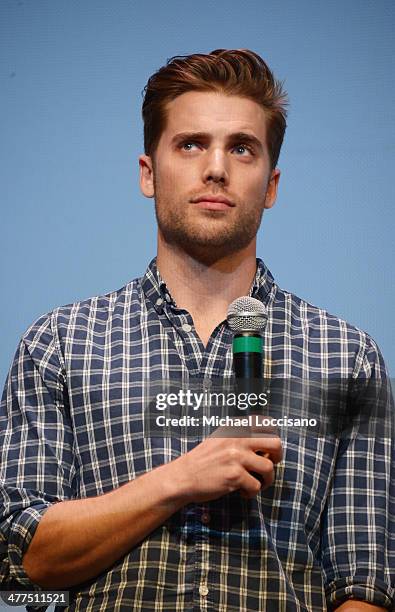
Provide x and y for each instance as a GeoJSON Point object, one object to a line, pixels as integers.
{"type": "Point", "coordinates": [252, 420]}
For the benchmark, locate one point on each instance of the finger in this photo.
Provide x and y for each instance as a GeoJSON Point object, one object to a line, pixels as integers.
{"type": "Point", "coordinates": [271, 446]}
{"type": "Point", "coordinates": [249, 486]}
{"type": "Point", "coordinates": [268, 432]}
{"type": "Point", "coordinates": [231, 431]}
{"type": "Point", "coordinates": [262, 468]}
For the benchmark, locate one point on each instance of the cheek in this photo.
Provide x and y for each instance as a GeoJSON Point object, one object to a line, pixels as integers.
{"type": "Point", "coordinates": [251, 180]}
{"type": "Point", "coordinates": [172, 173]}
{"type": "Point", "coordinates": [255, 191]}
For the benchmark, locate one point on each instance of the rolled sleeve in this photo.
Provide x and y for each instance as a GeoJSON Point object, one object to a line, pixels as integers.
{"type": "Point", "coordinates": [19, 534]}
{"type": "Point", "coordinates": [356, 587]}
{"type": "Point", "coordinates": [358, 531]}
{"type": "Point", "coordinates": [36, 442]}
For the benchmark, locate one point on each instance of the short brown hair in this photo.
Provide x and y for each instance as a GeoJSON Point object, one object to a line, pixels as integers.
{"type": "Point", "coordinates": [231, 71]}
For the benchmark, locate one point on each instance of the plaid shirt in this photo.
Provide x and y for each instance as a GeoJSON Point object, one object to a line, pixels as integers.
{"type": "Point", "coordinates": [71, 427]}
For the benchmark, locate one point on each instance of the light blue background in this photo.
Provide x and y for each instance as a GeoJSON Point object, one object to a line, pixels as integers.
{"type": "Point", "coordinates": [73, 222]}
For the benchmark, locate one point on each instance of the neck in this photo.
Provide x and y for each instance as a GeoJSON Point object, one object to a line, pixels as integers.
{"type": "Point", "coordinates": [204, 289]}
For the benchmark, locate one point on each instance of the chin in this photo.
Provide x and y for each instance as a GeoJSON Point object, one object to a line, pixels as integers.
{"type": "Point", "coordinates": [208, 252]}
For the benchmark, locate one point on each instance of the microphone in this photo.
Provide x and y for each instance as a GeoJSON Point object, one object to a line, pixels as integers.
{"type": "Point", "coordinates": [247, 318]}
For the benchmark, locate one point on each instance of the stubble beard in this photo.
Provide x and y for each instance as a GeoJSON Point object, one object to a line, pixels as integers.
{"type": "Point", "coordinates": [210, 238]}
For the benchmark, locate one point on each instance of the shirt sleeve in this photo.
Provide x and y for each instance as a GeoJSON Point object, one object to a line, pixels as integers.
{"type": "Point", "coordinates": [36, 441]}
{"type": "Point", "coordinates": [358, 530]}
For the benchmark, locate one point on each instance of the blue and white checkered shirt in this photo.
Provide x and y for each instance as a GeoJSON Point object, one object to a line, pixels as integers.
{"type": "Point", "coordinates": [71, 427]}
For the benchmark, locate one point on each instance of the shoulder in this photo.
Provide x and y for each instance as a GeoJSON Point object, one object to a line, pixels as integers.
{"type": "Point", "coordinates": [312, 317]}
{"type": "Point", "coordinates": [324, 333]}
{"type": "Point", "coordinates": [52, 334]}
{"type": "Point", "coordinates": [81, 313]}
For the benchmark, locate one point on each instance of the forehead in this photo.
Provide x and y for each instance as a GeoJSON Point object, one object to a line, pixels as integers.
{"type": "Point", "coordinates": [217, 112]}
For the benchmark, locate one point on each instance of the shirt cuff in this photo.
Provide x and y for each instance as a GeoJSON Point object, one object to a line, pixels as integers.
{"type": "Point", "coordinates": [360, 588]}
{"type": "Point", "coordinates": [21, 534]}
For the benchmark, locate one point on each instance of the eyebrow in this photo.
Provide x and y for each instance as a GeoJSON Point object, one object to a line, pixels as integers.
{"type": "Point", "coordinates": [236, 137]}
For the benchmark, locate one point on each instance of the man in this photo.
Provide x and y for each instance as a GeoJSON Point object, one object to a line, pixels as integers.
{"type": "Point", "coordinates": [126, 521]}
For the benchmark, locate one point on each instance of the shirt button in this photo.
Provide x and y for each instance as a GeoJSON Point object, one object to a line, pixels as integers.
{"type": "Point", "coordinates": [205, 518]}
{"type": "Point", "coordinates": [207, 383]}
{"type": "Point", "coordinates": [159, 302]}
{"type": "Point", "coordinates": [203, 590]}
{"type": "Point", "coordinates": [186, 327]}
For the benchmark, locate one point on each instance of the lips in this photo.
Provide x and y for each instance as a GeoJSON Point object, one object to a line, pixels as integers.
{"type": "Point", "coordinates": [213, 202]}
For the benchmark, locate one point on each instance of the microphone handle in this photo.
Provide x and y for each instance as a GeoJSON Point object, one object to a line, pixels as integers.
{"type": "Point", "coordinates": [248, 369]}
{"type": "Point", "coordinates": [248, 361]}
{"type": "Point", "coordinates": [248, 365]}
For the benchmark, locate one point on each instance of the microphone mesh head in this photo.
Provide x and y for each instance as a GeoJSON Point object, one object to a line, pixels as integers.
{"type": "Point", "coordinates": [246, 314]}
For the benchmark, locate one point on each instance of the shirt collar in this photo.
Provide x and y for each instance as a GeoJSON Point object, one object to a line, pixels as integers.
{"type": "Point", "coordinates": [156, 291]}
{"type": "Point", "coordinates": [154, 287]}
{"type": "Point", "coordinates": [263, 286]}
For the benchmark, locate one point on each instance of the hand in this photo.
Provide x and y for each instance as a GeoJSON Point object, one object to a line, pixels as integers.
{"type": "Point", "coordinates": [221, 465]}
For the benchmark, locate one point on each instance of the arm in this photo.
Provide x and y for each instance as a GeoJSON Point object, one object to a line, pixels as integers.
{"type": "Point", "coordinates": [36, 442]}
{"type": "Point", "coordinates": [76, 540]}
{"type": "Point", "coordinates": [357, 542]}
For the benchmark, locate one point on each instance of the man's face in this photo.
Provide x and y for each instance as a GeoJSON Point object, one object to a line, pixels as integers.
{"type": "Point", "coordinates": [213, 146]}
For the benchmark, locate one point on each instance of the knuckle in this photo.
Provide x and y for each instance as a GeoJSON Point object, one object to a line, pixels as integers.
{"type": "Point", "coordinates": [234, 473]}
{"type": "Point", "coordinates": [234, 454]}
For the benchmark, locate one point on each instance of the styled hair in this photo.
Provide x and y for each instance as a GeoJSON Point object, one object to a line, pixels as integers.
{"type": "Point", "coordinates": [239, 72]}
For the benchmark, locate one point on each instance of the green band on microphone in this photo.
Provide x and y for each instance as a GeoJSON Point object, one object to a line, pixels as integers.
{"type": "Point", "coordinates": [248, 344]}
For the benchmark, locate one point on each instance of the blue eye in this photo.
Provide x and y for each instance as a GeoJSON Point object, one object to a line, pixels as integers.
{"type": "Point", "coordinates": [241, 146]}
{"type": "Point", "coordinates": [187, 144]}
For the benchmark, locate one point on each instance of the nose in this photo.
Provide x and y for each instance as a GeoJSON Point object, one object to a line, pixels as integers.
{"type": "Point", "coordinates": [216, 168]}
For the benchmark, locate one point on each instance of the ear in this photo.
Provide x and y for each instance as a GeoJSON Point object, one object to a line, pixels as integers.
{"type": "Point", "coordinates": [146, 176]}
{"type": "Point", "coordinates": [272, 188]}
